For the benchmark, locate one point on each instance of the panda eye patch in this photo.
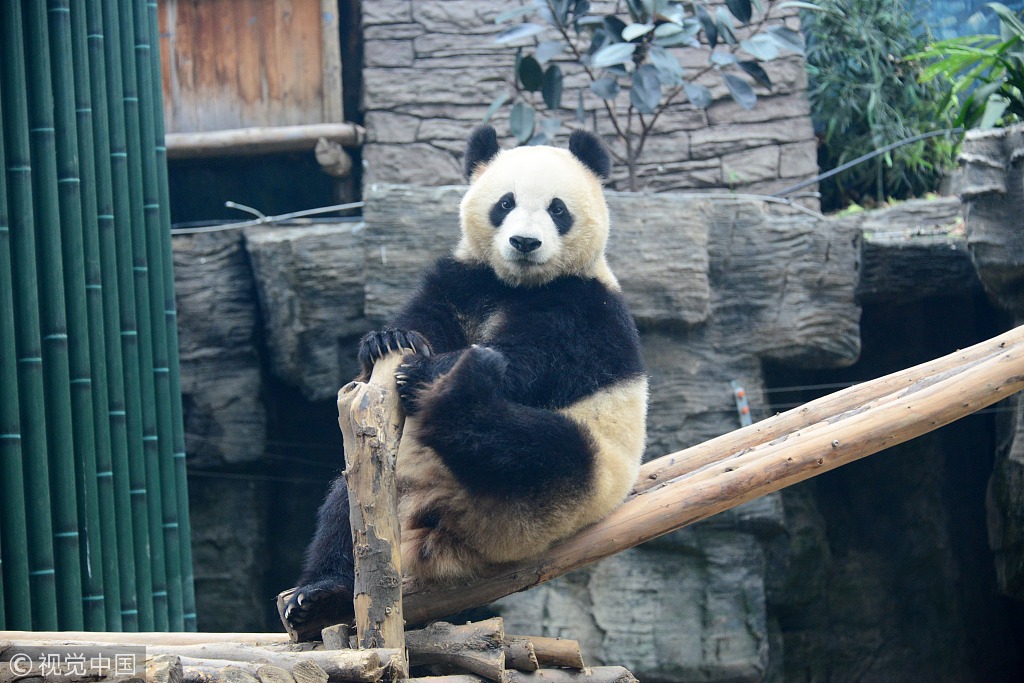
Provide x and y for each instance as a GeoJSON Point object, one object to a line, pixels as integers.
{"type": "Point", "coordinates": [560, 215]}
{"type": "Point", "coordinates": [502, 208]}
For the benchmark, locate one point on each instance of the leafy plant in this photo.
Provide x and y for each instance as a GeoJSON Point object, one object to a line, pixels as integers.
{"type": "Point", "coordinates": [865, 94]}
{"type": "Point", "coordinates": [629, 61]}
{"type": "Point", "coordinates": [985, 72]}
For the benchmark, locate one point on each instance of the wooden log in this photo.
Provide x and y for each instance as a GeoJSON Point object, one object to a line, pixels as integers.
{"type": "Point", "coordinates": [594, 674]}
{"type": "Point", "coordinates": [917, 407]}
{"type": "Point", "coordinates": [145, 638]}
{"type": "Point", "coordinates": [560, 652]}
{"type": "Point", "coordinates": [164, 669]}
{"type": "Point", "coordinates": [520, 654]}
{"type": "Point", "coordinates": [371, 419]}
{"type": "Point", "coordinates": [267, 673]}
{"type": "Point", "coordinates": [335, 637]}
{"type": "Point", "coordinates": [355, 666]}
{"type": "Point", "coordinates": [217, 674]}
{"type": "Point", "coordinates": [455, 678]}
{"type": "Point", "coordinates": [261, 140]}
{"type": "Point", "coordinates": [669, 466]}
{"type": "Point", "coordinates": [474, 647]}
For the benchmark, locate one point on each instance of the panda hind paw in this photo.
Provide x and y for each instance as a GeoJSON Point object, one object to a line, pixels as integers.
{"type": "Point", "coordinates": [328, 598]}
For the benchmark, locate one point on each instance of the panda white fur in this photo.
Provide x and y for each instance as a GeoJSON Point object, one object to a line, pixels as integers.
{"type": "Point", "coordinates": [526, 398]}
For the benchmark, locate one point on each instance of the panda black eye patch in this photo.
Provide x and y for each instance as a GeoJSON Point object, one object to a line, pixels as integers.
{"type": "Point", "coordinates": [502, 208]}
{"type": "Point", "coordinates": [560, 215]}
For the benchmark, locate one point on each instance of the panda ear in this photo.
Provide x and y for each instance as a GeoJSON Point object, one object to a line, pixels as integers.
{"type": "Point", "coordinates": [481, 148]}
{"type": "Point", "coordinates": [589, 149]}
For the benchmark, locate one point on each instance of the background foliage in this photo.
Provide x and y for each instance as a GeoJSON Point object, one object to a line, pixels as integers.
{"type": "Point", "coordinates": [865, 94]}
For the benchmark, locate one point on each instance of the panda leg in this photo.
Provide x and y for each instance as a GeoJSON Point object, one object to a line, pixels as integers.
{"type": "Point", "coordinates": [494, 446]}
{"type": "Point", "coordinates": [326, 584]}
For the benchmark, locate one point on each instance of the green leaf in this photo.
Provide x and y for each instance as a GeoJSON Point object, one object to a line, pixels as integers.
{"type": "Point", "coordinates": [740, 91]}
{"type": "Point", "coordinates": [798, 4]}
{"type": "Point", "coordinates": [1008, 17]}
{"type": "Point", "coordinates": [531, 76]}
{"type": "Point", "coordinates": [634, 31]}
{"type": "Point", "coordinates": [994, 108]}
{"type": "Point", "coordinates": [614, 26]}
{"type": "Point", "coordinates": [710, 28]}
{"type": "Point", "coordinates": [646, 90]}
{"type": "Point", "coordinates": [549, 49]}
{"type": "Point", "coordinates": [698, 95]}
{"type": "Point", "coordinates": [606, 88]}
{"type": "Point", "coordinates": [740, 9]}
{"type": "Point", "coordinates": [667, 30]}
{"type": "Point", "coordinates": [581, 112]}
{"type": "Point", "coordinates": [550, 127]}
{"type": "Point", "coordinates": [725, 26]}
{"type": "Point", "coordinates": [518, 32]}
{"type": "Point", "coordinates": [551, 88]}
{"type": "Point", "coordinates": [763, 46]}
{"type": "Point", "coordinates": [722, 58]}
{"type": "Point", "coordinates": [755, 71]}
{"type": "Point", "coordinates": [669, 70]}
{"type": "Point", "coordinates": [787, 39]}
{"type": "Point", "coordinates": [616, 53]}
{"type": "Point", "coordinates": [497, 104]}
{"type": "Point", "coordinates": [521, 121]}
{"type": "Point", "coordinates": [515, 13]}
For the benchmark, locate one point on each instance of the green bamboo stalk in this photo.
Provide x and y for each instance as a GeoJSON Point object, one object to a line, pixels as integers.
{"type": "Point", "coordinates": [154, 258]}
{"type": "Point", "coordinates": [29, 347]}
{"type": "Point", "coordinates": [100, 482]}
{"type": "Point", "coordinates": [117, 462]}
{"type": "Point", "coordinates": [69, 191]}
{"type": "Point", "coordinates": [16, 613]}
{"type": "Point", "coordinates": [170, 311]}
{"type": "Point", "coordinates": [134, 376]}
{"type": "Point", "coordinates": [60, 444]}
{"type": "Point", "coordinates": [140, 268]}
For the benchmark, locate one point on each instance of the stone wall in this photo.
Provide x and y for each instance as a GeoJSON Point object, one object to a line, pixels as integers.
{"type": "Point", "coordinates": [431, 68]}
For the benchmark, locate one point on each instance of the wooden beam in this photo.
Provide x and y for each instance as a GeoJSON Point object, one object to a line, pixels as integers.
{"type": "Point", "coordinates": [262, 140]}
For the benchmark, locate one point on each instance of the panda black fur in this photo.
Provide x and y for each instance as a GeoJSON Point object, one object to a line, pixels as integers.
{"type": "Point", "coordinates": [526, 399]}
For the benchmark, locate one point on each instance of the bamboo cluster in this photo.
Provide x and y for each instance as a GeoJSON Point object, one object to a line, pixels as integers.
{"type": "Point", "coordinates": [442, 653]}
{"type": "Point", "coordinates": [93, 499]}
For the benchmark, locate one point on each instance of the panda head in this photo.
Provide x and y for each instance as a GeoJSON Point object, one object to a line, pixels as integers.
{"type": "Point", "coordinates": [533, 214]}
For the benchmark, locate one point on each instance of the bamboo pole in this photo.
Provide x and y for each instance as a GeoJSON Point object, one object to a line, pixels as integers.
{"type": "Point", "coordinates": [69, 190]}
{"type": "Point", "coordinates": [371, 419]}
{"type": "Point", "coordinates": [38, 522]}
{"type": "Point", "coordinates": [17, 610]}
{"type": "Point", "coordinates": [60, 444]}
{"type": "Point", "coordinates": [100, 486]}
{"type": "Point", "coordinates": [112, 465]}
{"type": "Point", "coordinates": [925, 405]}
{"type": "Point", "coordinates": [135, 13]}
{"type": "Point", "coordinates": [170, 312]}
{"type": "Point", "coordinates": [125, 220]}
{"type": "Point", "coordinates": [147, 385]}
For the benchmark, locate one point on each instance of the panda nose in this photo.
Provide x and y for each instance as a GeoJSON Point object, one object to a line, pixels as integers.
{"type": "Point", "coordinates": [524, 244]}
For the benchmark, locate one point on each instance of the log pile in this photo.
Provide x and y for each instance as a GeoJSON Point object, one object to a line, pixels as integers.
{"type": "Point", "coordinates": [441, 653]}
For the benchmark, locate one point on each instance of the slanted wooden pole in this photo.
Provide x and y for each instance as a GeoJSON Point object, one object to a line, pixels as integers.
{"type": "Point", "coordinates": [371, 419]}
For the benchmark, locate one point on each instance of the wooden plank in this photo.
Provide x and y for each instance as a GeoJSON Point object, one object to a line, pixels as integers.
{"type": "Point", "coordinates": [330, 43]}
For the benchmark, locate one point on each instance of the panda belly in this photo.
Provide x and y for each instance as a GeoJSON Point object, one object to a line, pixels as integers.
{"type": "Point", "coordinates": [449, 533]}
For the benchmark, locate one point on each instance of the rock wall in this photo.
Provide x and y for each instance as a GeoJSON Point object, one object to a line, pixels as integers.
{"type": "Point", "coordinates": [431, 67]}
{"type": "Point", "coordinates": [993, 191]}
{"type": "Point", "coordinates": [808, 584]}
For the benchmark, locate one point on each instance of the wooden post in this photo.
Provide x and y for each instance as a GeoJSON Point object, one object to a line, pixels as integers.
{"type": "Point", "coordinates": [371, 419]}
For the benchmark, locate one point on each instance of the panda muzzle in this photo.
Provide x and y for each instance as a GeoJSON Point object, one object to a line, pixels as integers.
{"type": "Point", "coordinates": [524, 244]}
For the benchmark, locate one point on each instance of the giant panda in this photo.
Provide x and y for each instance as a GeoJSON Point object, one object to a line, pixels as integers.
{"type": "Point", "coordinates": [523, 382]}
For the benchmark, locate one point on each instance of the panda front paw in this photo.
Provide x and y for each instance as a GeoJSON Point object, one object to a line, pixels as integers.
{"type": "Point", "coordinates": [380, 343]}
{"type": "Point", "coordinates": [411, 377]}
